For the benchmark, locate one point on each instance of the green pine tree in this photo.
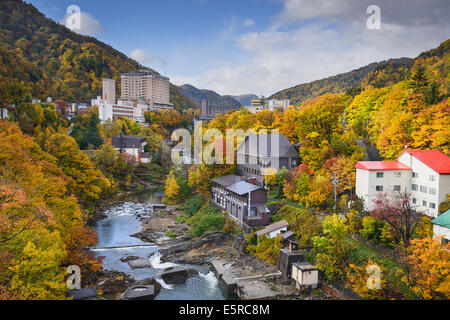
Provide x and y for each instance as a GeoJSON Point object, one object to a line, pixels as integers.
{"type": "Point", "coordinates": [433, 94]}
{"type": "Point", "coordinates": [419, 81]}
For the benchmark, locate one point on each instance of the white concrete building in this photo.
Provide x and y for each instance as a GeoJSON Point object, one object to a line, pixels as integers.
{"type": "Point", "coordinates": [305, 275]}
{"type": "Point", "coordinates": [109, 91]}
{"type": "Point", "coordinates": [153, 88]}
{"type": "Point", "coordinates": [115, 111]}
{"type": "Point", "coordinates": [423, 173]}
{"type": "Point", "coordinates": [261, 104]}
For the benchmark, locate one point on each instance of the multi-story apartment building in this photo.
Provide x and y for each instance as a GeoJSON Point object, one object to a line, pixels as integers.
{"type": "Point", "coordinates": [210, 111]}
{"type": "Point", "coordinates": [260, 104]}
{"type": "Point", "coordinates": [261, 152]}
{"type": "Point", "coordinates": [233, 194]}
{"type": "Point", "coordinates": [109, 91]}
{"type": "Point", "coordinates": [115, 111]}
{"type": "Point", "coordinates": [153, 88]}
{"type": "Point", "coordinates": [423, 173]}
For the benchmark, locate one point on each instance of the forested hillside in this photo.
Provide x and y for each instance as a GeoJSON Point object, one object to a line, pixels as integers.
{"type": "Point", "coordinates": [391, 71]}
{"type": "Point", "coordinates": [50, 60]}
{"type": "Point", "coordinates": [214, 98]}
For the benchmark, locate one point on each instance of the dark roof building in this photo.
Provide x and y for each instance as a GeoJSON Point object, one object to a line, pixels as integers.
{"type": "Point", "coordinates": [260, 152]}
{"type": "Point", "coordinates": [128, 142]}
{"type": "Point", "coordinates": [232, 194]}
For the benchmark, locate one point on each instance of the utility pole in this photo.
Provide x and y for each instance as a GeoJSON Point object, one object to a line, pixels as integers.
{"type": "Point", "coordinates": [249, 198]}
{"type": "Point", "coordinates": [335, 183]}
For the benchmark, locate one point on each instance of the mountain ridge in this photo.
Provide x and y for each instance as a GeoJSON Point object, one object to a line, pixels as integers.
{"type": "Point", "coordinates": [198, 95]}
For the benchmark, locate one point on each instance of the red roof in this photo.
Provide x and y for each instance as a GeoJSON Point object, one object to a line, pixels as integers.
{"type": "Point", "coordinates": [434, 159]}
{"type": "Point", "coordinates": [381, 165]}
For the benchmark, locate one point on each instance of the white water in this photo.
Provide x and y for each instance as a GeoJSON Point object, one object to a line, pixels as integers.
{"type": "Point", "coordinates": [211, 280]}
{"type": "Point", "coordinates": [155, 260]}
{"type": "Point", "coordinates": [164, 284]}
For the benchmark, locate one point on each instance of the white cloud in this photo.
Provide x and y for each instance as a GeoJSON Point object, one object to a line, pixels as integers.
{"type": "Point", "coordinates": [249, 23]}
{"type": "Point", "coordinates": [143, 57]}
{"type": "Point", "coordinates": [86, 25]}
{"type": "Point", "coordinates": [335, 40]}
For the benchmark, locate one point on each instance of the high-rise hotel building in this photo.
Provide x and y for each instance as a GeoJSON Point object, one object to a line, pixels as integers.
{"type": "Point", "coordinates": [145, 85]}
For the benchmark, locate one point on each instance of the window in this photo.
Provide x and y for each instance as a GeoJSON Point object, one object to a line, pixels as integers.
{"type": "Point", "coordinates": [432, 205]}
{"type": "Point", "coordinates": [423, 189]}
{"type": "Point", "coordinates": [432, 177]}
{"type": "Point", "coordinates": [432, 191]}
{"type": "Point", "coordinates": [415, 175]}
{"type": "Point", "coordinates": [414, 200]}
{"type": "Point", "coordinates": [380, 174]}
{"type": "Point", "coordinates": [379, 188]}
{"type": "Point", "coordinates": [397, 174]}
{"type": "Point", "coordinates": [424, 203]}
{"type": "Point", "coordinates": [415, 187]}
{"type": "Point", "coordinates": [397, 188]}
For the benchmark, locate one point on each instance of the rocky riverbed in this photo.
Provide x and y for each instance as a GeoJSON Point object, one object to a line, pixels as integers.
{"type": "Point", "coordinates": [145, 243]}
{"type": "Point", "coordinates": [131, 235]}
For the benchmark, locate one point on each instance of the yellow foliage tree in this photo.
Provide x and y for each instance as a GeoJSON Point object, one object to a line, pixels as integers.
{"type": "Point", "coordinates": [171, 188]}
{"type": "Point", "coordinates": [367, 282]}
{"type": "Point", "coordinates": [429, 262]}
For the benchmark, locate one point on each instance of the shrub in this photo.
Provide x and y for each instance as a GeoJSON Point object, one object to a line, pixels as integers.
{"type": "Point", "coordinates": [205, 220]}
{"type": "Point", "coordinates": [371, 229]}
{"type": "Point", "coordinates": [424, 228]}
{"type": "Point", "coordinates": [194, 205]}
{"type": "Point", "coordinates": [266, 249]}
{"type": "Point", "coordinates": [171, 234]}
{"type": "Point", "coordinates": [354, 222]}
{"type": "Point", "coordinates": [386, 236]}
{"type": "Point", "coordinates": [230, 225]}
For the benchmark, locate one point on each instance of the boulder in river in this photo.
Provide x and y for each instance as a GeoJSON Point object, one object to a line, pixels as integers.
{"type": "Point", "coordinates": [139, 263]}
{"type": "Point", "coordinates": [177, 275]}
{"type": "Point", "coordinates": [139, 292]}
{"type": "Point", "coordinates": [128, 258]}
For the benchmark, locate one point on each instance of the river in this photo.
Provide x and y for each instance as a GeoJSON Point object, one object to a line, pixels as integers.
{"type": "Point", "coordinates": [115, 231]}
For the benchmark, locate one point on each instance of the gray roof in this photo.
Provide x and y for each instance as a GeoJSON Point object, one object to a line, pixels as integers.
{"type": "Point", "coordinates": [142, 73]}
{"type": "Point", "coordinates": [272, 227]}
{"type": "Point", "coordinates": [228, 180]}
{"type": "Point", "coordinates": [242, 188]}
{"type": "Point", "coordinates": [267, 145]}
{"type": "Point", "coordinates": [304, 265]}
{"type": "Point", "coordinates": [287, 235]}
{"type": "Point", "coordinates": [128, 142]}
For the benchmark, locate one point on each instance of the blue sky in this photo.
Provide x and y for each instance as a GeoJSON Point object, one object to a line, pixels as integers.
{"type": "Point", "coordinates": [257, 46]}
